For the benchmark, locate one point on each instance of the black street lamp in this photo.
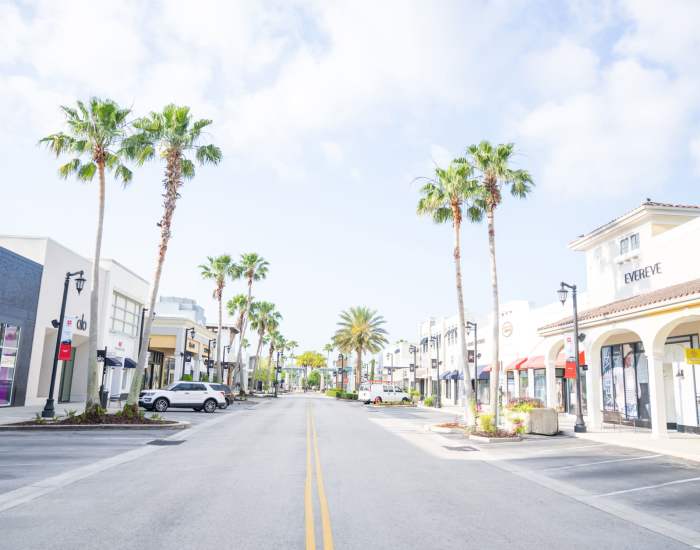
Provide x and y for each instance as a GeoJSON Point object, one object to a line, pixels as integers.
{"type": "Point", "coordinates": [413, 349]}
{"type": "Point", "coordinates": [580, 425]}
{"type": "Point", "coordinates": [49, 411]}
{"type": "Point", "coordinates": [210, 343]}
{"type": "Point", "coordinates": [341, 358]}
{"type": "Point", "coordinates": [277, 370]}
{"type": "Point", "coordinates": [391, 367]}
{"type": "Point", "coordinates": [474, 326]}
{"type": "Point", "coordinates": [435, 340]}
{"type": "Point", "coordinates": [188, 331]}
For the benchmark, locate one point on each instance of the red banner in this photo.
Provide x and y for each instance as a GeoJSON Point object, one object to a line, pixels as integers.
{"type": "Point", "coordinates": [64, 352]}
{"type": "Point", "coordinates": [570, 366]}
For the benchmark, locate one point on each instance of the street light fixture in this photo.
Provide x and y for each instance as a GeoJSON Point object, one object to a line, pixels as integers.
{"type": "Point", "coordinates": [341, 358]}
{"type": "Point", "coordinates": [413, 349]}
{"type": "Point", "coordinates": [49, 411]}
{"type": "Point", "coordinates": [474, 326]}
{"type": "Point", "coordinates": [188, 331]}
{"type": "Point", "coordinates": [435, 341]}
{"type": "Point", "coordinates": [563, 293]}
{"type": "Point", "coordinates": [391, 367]}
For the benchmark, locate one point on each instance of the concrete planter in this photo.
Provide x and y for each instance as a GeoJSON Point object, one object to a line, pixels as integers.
{"type": "Point", "coordinates": [544, 421]}
{"type": "Point", "coordinates": [484, 439]}
{"type": "Point", "coordinates": [65, 427]}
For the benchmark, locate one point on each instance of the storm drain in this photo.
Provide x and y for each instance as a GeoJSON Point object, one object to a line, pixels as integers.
{"type": "Point", "coordinates": [165, 442]}
{"type": "Point", "coordinates": [462, 448]}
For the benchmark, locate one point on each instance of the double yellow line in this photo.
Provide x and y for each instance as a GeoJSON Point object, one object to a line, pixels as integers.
{"type": "Point", "coordinates": [312, 446]}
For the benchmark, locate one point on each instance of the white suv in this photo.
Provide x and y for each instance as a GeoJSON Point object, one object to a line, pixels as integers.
{"type": "Point", "coordinates": [382, 393]}
{"type": "Point", "coordinates": [194, 395]}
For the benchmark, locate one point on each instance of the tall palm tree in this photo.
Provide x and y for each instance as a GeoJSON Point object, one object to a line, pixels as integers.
{"type": "Point", "coordinates": [263, 318]}
{"type": "Point", "coordinates": [359, 330]}
{"type": "Point", "coordinates": [94, 141]}
{"type": "Point", "coordinates": [492, 165]}
{"type": "Point", "coordinates": [170, 135]}
{"type": "Point", "coordinates": [237, 306]}
{"type": "Point", "coordinates": [445, 198]}
{"type": "Point", "coordinates": [219, 269]}
{"type": "Point", "coordinates": [251, 267]}
{"type": "Point", "coordinates": [328, 348]}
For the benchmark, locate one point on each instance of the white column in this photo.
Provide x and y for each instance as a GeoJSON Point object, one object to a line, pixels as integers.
{"type": "Point", "coordinates": [594, 390]}
{"type": "Point", "coordinates": [551, 374]}
{"type": "Point", "coordinates": [531, 384]}
{"type": "Point", "coordinates": [657, 394]}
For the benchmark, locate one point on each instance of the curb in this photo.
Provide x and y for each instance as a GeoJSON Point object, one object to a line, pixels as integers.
{"type": "Point", "coordinates": [179, 425]}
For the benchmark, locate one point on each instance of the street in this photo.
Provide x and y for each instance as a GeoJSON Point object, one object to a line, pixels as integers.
{"type": "Point", "coordinates": [305, 471]}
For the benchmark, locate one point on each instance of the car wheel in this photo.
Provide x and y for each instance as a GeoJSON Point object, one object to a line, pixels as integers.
{"type": "Point", "coordinates": [161, 405]}
{"type": "Point", "coordinates": [210, 406]}
{"type": "Point", "coordinates": [225, 405]}
{"type": "Point", "coordinates": [377, 400]}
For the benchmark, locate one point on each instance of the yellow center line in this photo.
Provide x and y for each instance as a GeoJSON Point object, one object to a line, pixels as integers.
{"type": "Point", "coordinates": [325, 515]}
{"type": "Point", "coordinates": [308, 496]}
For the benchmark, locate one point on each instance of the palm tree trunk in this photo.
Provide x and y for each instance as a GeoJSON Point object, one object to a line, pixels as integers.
{"type": "Point", "coordinates": [219, 367]}
{"type": "Point", "coordinates": [257, 355]}
{"type": "Point", "coordinates": [495, 360]}
{"type": "Point", "coordinates": [269, 364]}
{"type": "Point", "coordinates": [244, 317]}
{"type": "Point", "coordinates": [91, 398]}
{"type": "Point", "coordinates": [173, 181]}
{"type": "Point", "coordinates": [358, 369]}
{"type": "Point", "coordinates": [466, 383]}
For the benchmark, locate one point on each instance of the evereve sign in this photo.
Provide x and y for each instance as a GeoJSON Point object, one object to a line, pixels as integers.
{"type": "Point", "coordinates": [642, 273]}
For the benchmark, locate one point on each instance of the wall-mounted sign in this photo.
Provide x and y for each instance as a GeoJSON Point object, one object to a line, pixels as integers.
{"type": "Point", "coordinates": [692, 356]}
{"type": "Point", "coordinates": [507, 329]}
{"type": "Point", "coordinates": [642, 273]}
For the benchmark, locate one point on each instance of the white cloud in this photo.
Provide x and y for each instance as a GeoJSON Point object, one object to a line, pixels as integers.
{"type": "Point", "coordinates": [694, 148]}
{"type": "Point", "coordinates": [332, 151]}
{"type": "Point", "coordinates": [439, 157]}
{"type": "Point", "coordinates": [564, 69]}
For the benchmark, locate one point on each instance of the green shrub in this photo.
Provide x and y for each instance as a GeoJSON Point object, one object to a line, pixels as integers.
{"type": "Point", "coordinates": [429, 401]}
{"type": "Point", "coordinates": [486, 423]}
{"type": "Point", "coordinates": [525, 404]}
{"type": "Point", "coordinates": [414, 393]}
{"type": "Point", "coordinates": [519, 425]}
{"type": "Point", "coordinates": [186, 377]}
{"type": "Point", "coordinates": [334, 392]}
{"type": "Point", "coordinates": [204, 378]}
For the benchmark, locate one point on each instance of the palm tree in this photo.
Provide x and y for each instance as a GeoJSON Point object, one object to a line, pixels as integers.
{"type": "Point", "coordinates": [94, 140]}
{"type": "Point", "coordinates": [492, 166]}
{"type": "Point", "coordinates": [328, 348]}
{"type": "Point", "coordinates": [360, 329]}
{"type": "Point", "coordinates": [251, 267]}
{"type": "Point", "coordinates": [277, 343]}
{"type": "Point", "coordinates": [444, 199]}
{"type": "Point", "coordinates": [263, 318]}
{"type": "Point", "coordinates": [171, 135]}
{"type": "Point", "coordinates": [237, 306]}
{"type": "Point", "coordinates": [219, 269]}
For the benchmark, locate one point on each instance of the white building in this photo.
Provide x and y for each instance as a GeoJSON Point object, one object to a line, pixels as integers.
{"type": "Point", "coordinates": [122, 295]}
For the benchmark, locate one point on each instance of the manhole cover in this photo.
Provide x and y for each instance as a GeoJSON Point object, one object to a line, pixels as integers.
{"type": "Point", "coordinates": [166, 442]}
{"type": "Point", "coordinates": [460, 448]}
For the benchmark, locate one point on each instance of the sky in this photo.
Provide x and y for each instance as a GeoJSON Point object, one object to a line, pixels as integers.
{"type": "Point", "coordinates": [327, 112]}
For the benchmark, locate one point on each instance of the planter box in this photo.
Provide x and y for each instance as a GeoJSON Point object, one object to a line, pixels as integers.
{"type": "Point", "coordinates": [484, 439]}
{"type": "Point", "coordinates": [544, 421]}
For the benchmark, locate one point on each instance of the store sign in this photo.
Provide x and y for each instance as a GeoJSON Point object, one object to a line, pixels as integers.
{"type": "Point", "coordinates": [507, 329]}
{"type": "Point", "coordinates": [642, 273]}
{"type": "Point", "coordinates": [64, 349]}
{"type": "Point", "coordinates": [692, 356]}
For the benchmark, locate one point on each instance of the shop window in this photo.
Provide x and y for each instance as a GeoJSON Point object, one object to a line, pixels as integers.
{"type": "Point", "coordinates": [624, 246]}
{"type": "Point", "coordinates": [625, 380]}
{"type": "Point", "coordinates": [524, 380]}
{"type": "Point", "coordinates": [634, 241]}
{"type": "Point", "coordinates": [510, 386]}
{"type": "Point", "coordinates": [540, 385]}
{"type": "Point", "coordinates": [9, 347]}
{"type": "Point", "coordinates": [125, 315]}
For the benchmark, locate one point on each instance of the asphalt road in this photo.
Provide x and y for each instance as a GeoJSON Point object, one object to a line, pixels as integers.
{"type": "Point", "coordinates": [305, 470]}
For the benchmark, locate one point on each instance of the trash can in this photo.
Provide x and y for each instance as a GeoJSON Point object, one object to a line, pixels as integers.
{"type": "Point", "coordinates": [104, 397]}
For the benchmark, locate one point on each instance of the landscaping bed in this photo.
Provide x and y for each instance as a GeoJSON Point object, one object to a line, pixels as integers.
{"type": "Point", "coordinates": [400, 404]}
{"type": "Point", "coordinates": [98, 418]}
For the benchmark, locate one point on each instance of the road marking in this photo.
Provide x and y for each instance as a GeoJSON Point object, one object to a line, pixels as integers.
{"type": "Point", "coordinates": [308, 502]}
{"type": "Point", "coordinates": [647, 487]}
{"type": "Point", "coordinates": [325, 515]}
{"type": "Point", "coordinates": [560, 448]}
{"type": "Point", "coordinates": [571, 467]}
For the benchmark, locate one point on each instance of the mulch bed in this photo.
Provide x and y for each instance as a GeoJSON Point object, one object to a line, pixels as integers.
{"type": "Point", "coordinates": [496, 434]}
{"type": "Point", "coordinates": [94, 419]}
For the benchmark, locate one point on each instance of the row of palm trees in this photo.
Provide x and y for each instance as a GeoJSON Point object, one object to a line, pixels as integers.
{"type": "Point", "coordinates": [99, 139]}
{"type": "Point", "coordinates": [472, 187]}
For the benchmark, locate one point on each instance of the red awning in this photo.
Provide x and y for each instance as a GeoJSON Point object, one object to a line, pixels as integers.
{"type": "Point", "coordinates": [536, 362]}
{"type": "Point", "coordinates": [516, 364]}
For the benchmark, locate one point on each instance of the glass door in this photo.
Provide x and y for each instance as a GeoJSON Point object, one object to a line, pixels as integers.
{"type": "Point", "coordinates": [66, 379]}
{"type": "Point", "coordinates": [9, 346]}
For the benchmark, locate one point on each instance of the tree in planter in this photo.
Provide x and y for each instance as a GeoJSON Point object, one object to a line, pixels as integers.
{"type": "Point", "coordinates": [170, 135]}
{"type": "Point", "coordinates": [492, 165]}
{"type": "Point", "coordinates": [251, 267]}
{"type": "Point", "coordinates": [445, 199]}
{"type": "Point", "coordinates": [359, 330]}
{"type": "Point", "coordinates": [94, 139]}
{"type": "Point", "coordinates": [219, 269]}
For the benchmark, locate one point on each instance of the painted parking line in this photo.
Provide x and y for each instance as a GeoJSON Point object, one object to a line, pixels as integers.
{"type": "Point", "coordinates": [611, 461]}
{"type": "Point", "coordinates": [648, 487]}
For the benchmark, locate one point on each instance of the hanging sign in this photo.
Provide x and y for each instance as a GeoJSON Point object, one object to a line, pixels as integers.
{"type": "Point", "coordinates": [570, 365]}
{"type": "Point", "coordinates": [65, 348]}
{"type": "Point", "coordinates": [692, 356]}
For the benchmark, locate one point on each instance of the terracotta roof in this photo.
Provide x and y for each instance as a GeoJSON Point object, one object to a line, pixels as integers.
{"type": "Point", "coordinates": [666, 294]}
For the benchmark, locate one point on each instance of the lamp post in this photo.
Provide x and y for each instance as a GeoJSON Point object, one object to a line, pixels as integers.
{"type": "Point", "coordinates": [391, 367]}
{"type": "Point", "coordinates": [277, 369]}
{"type": "Point", "coordinates": [474, 326]}
{"type": "Point", "coordinates": [210, 343]}
{"type": "Point", "coordinates": [435, 340]}
{"type": "Point", "coordinates": [413, 349]}
{"type": "Point", "coordinates": [49, 411]}
{"type": "Point", "coordinates": [341, 358]}
{"type": "Point", "coordinates": [580, 425]}
{"type": "Point", "coordinates": [184, 353]}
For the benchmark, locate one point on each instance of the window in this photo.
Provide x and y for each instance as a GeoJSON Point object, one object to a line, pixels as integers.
{"type": "Point", "coordinates": [523, 383]}
{"type": "Point", "coordinates": [9, 346]}
{"type": "Point", "coordinates": [541, 384]}
{"type": "Point", "coordinates": [125, 315]}
{"type": "Point", "coordinates": [624, 246]}
{"type": "Point", "coordinates": [625, 380]}
{"type": "Point", "coordinates": [634, 241]}
{"type": "Point", "coordinates": [198, 387]}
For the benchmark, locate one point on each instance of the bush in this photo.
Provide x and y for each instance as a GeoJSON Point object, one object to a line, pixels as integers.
{"type": "Point", "coordinates": [486, 423]}
{"type": "Point", "coordinates": [414, 393]}
{"type": "Point", "coordinates": [334, 392]}
{"type": "Point", "coordinates": [429, 401]}
{"type": "Point", "coordinates": [525, 404]}
{"type": "Point", "coordinates": [519, 426]}
{"type": "Point", "coordinates": [186, 377]}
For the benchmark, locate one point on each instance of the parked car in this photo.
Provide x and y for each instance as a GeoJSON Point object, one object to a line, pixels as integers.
{"type": "Point", "coordinates": [382, 393]}
{"type": "Point", "coordinates": [184, 395]}
{"type": "Point", "coordinates": [227, 391]}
